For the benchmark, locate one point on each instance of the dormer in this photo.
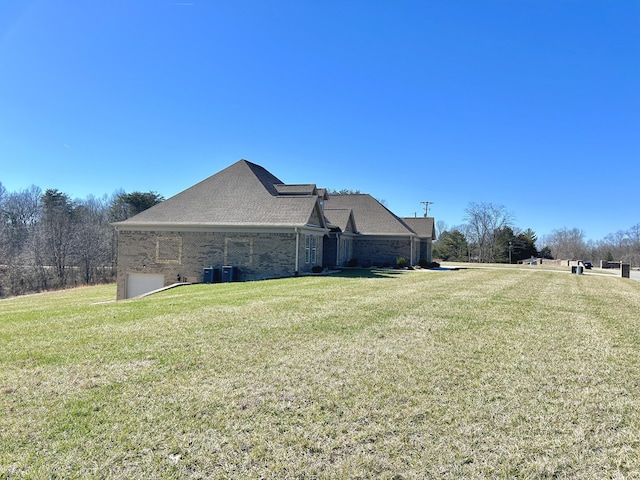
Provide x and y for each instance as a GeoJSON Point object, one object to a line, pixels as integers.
{"type": "Point", "coordinates": [298, 190]}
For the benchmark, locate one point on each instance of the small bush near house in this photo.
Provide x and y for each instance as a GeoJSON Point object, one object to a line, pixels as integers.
{"type": "Point", "coordinates": [401, 262]}
{"type": "Point", "coordinates": [317, 269]}
{"type": "Point", "coordinates": [352, 262]}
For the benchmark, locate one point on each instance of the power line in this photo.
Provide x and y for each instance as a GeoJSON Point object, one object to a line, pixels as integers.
{"type": "Point", "coordinates": [426, 207]}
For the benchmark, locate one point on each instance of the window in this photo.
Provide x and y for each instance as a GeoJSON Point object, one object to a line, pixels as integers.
{"type": "Point", "coordinates": [310, 249]}
{"type": "Point", "coordinates": [314, 249]}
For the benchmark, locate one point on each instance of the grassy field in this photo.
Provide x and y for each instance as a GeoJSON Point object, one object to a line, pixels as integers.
{"type": "Point", "coordinates": [465, 374]}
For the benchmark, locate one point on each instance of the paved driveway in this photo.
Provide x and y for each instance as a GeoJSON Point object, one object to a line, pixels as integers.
{"type": "Point", "coordinates": [633, 274]}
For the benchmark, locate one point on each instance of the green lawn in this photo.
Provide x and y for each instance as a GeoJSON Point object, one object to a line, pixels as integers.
{"type": "Point", "coordinates": [475, 373]}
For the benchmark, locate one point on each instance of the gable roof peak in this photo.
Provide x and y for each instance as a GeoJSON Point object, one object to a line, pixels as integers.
{"type": "Point", "coordinates": [371, 216]}
{"type": "Point", "coordinates": [243, 194]}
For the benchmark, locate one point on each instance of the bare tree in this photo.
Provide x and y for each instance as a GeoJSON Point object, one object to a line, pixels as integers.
{"type": "Point", "coordinates": [48, 241]}
{"type": "Point", "coordinates": [3, 194]}
{"type": "Point", "coordinates": [19, 212]}
{"type": "Point", "coordinates": [92, 239]}
{"type": "Point", "coordinates": [441, 227]}
{"type": "Point", "coordinates": [623, 245]}
{"type": "Point", "coordinates": [618, 244]}
{"type": "Point", "coordinates": [568, 244]}
{"type": "Point", "coordinates": [634, 237]}
{"type": "Point", "coordinates": [4, 227]}
{"type": "Point", "coordinates": [19, 216]}
{"type": "Point", "coordinates": [484, 221]}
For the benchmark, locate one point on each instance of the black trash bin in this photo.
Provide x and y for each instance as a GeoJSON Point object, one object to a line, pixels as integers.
{"type": "Point", "coordinates": [211, 275]}
{"type": "Point", "coordinates": [229, 273]}
{"type": "Point", "coordinates": [207, 275]}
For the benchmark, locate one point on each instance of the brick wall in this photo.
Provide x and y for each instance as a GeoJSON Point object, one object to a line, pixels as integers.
{"type": "Point", "coordinates": [425, 250]}
{"type": "Point", "coordinates": [606, 264]}
{"type": "Point", "coordinates": [186, 254]}
{"type": "Point", "coordinates": [382, 251]}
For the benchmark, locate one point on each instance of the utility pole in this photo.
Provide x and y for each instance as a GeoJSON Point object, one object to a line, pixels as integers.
{"type": "Point", "coordinates": [426, 208]}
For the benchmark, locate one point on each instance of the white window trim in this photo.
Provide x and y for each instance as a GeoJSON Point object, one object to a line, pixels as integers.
{"type": "Point", "coordinates": [314, 249]}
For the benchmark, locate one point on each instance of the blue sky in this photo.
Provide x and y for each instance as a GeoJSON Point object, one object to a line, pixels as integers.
{"type": "Point", "coordinates": [534, 105]}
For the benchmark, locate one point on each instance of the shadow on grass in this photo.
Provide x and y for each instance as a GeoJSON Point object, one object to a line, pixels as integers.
{"type": "Point", "coordinates": [367, 273]}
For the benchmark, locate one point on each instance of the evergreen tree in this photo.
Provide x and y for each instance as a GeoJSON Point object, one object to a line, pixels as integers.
{"type": "Point", "coordinates": [126, 205]}
{"type": "Point", "coordinates": [451, 246]}
{"type": "Point", "coordinates": [56, 230]}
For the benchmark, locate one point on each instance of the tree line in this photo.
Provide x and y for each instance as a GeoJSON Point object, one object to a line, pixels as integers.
{"type": "Point", "coordinates": [490, 236]}
{"type": "Point", "coordinates": [50, 241]}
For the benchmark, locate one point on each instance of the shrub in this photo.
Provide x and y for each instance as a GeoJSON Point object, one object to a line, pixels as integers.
{"type": "Point", "coordinates": [316, 269]}
{"type": "Point", "coordinates": [353, 262]}
{"type": "Point", "coordinates": [401, 262]}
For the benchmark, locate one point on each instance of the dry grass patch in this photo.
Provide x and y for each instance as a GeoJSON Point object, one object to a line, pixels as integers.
{"type": "Point", "coordinates": [469, 374]}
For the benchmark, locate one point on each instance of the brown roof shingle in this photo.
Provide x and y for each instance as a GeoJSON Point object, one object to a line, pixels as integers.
{"type": "Point", "coordinates": [423, 226]}
{"type": "Point", "coordinates": [339, 218]}
{"type": "Point", "coordinates": [371, 217]}
{"type": "Point", "coordinates": [243, 194]}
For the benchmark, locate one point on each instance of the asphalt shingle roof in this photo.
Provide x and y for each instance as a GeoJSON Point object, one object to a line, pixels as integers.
{"type": "Point", "coordinates": [371, 217]}
{"type": "Point", "coordinates": [243, 194]}
{"type": "Point", "coordinates": [246, 194]}
{"type": "Point", "coordinates": [339, 217]}
{"type": "Point", "coordinates": [307, 189]}
{"type": "Point", "coordinates": [423, 226]}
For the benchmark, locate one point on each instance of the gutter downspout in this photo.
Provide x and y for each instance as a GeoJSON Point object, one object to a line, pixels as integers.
{"type": "Point", "coordinates": [297, 250]}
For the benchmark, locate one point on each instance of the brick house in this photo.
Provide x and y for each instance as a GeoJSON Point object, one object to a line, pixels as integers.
{"type": "Point", "coordinates": [373, 234]}
{"type": "Point", "coordinates": [244, 223]}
